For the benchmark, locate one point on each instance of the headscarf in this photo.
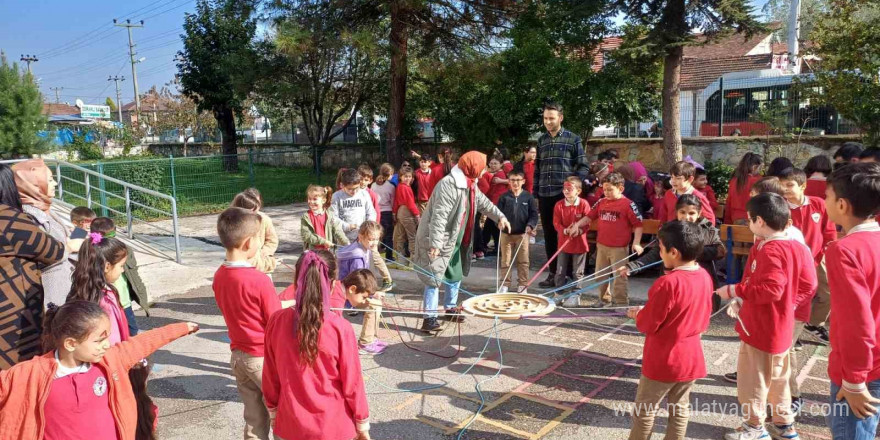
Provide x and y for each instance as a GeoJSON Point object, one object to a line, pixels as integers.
{"type": "Point", "coordinates": [472, 165]}
{"type": "Point", "coordinates": [33, 183]}
{"type": "Point", "coordinates": [312, 259]}
{"type": "Point", "coordinates": [640, 171]}
{"type": "Point", "coordinates": [627, 172]}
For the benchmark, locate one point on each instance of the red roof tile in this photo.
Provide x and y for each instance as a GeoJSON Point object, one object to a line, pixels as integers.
{"type": "Point", "coordinates": [52, 109]}
{"type": "Point", "coordinates": [696, 74]}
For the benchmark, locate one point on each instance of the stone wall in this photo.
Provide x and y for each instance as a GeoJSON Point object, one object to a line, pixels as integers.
{"type": "Point", "coordinates": [728, 149]}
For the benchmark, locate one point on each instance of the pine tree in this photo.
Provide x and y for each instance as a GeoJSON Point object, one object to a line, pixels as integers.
{"type": "Point", "coordinates": [21, 113]}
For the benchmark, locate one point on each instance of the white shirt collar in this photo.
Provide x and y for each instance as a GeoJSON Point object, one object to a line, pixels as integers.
{"type": "Point", "coordinates": [577, 201]}
{"type": "Point", "coordinates": [236, 264]}
{"type": "Point", "coordinates": [865, 227]}
{"type": "Point", "coordinates": [795, 206]}
{"type": "Point", "coordinates": [459, 177]}
{"type": "Point", "coordinates": [689, 191]}
{"type": "Point", "coordinates": [777, 236]}
{"type": "Point", "coordinates": [688, 268]}
{"type": "Point", "coordinates": [67, 371]}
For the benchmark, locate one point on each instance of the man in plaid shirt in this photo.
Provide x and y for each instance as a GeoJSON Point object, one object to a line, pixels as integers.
{"type": "Point", "coordinates": [560, 155]}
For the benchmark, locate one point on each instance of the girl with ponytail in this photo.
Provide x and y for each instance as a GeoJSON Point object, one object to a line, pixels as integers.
{"type": "Point", "coordinates": [311, 361]}
{"type": "Point", "coordinates": [101, 262]}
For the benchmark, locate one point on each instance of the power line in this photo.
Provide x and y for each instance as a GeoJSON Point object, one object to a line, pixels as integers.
{"type": "Point", "coordinates": [131, 52]}
{"type": "Point", "coordinates": [57, 90]}
{"type": "Point", "coordinates": [28, 59]}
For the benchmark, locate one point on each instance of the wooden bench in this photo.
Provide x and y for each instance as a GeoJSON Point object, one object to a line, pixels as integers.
{"type": "Point", "coordinates": [738, 240]}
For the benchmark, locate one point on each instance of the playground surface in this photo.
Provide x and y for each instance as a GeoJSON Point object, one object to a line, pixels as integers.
{"type": "Point", "coordinates": [569, 375]}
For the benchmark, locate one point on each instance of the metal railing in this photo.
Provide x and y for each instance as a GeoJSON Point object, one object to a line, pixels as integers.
{"type": "Point", "coordinates": [124, 202]}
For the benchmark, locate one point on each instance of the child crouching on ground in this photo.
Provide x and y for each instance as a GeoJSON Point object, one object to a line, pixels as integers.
{"type": "Point", "coordinates": [358, 256]}
{"type": "Point", "coordinates": [312, 362]}
{"type": "Point", "coordinates": [361, 284]}
{"type": "Point", "coordinates": [246, 299]}
{"type": "Point", "coordinates": [676, 314]}
{"type": "Point", "coordinates": [318, 228]}
{"type": "Point", "coordinates": [779, 276]}
{"type": "Point", "coordinates": [74, 391]}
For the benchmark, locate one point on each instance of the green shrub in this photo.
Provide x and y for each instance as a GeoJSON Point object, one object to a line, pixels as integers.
{"type": "Point", "coordinates": [719, 174]}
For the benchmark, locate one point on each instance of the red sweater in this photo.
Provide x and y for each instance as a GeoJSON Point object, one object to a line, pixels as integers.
{"type": "Point", "coordinates": [404, 197]}
{"type": "Point", "coordinates": [816, 188]}
{"type": "Point", "coordinates": [812, 219]}
{"type": "Point", "coordinates": [736, 200]}
{"type": "Point", "coordinates": [529, 171]}
{"type": "Point", "coordinates": [484, 183]}
{"type": "Point", "coordinates": [710, 196]}
{"type": "Point", "coordinates": [375, 200]}
{"type": "Point", "coordinates": [425, 182]}
{"type": "Point", "coordinates": [496, 190]}
{"type": "Point", "coordinates": [317, 402]}
{"type": "Point", "coordinates": [671, 198]}
{"type": "Point", "coordinates": [854, 278]}
{"type": "Point", "coordinates": [617, 219]}
{"type": "Point", "coordinates": [565, 215]}
{"type": "Point", "coordinates": [246, 298]}
{"type": "Point", "coordinates": [676, 314]}
{"type": "Point", "coordinates": [779, 275]}
{"type": "Point", "coordinates": [659, 204]}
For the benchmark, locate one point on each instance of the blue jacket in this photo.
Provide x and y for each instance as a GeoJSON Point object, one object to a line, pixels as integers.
{"type": "Point", "coordinates": [351, 258]}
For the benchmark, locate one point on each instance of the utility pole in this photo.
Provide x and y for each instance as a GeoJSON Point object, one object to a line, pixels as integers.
{"type": "Point", "coordinates": [56, 90]}
{"type": "Point", "coordinates": [118, 96]}
{"type": "Point", "coordinates": [28, 59]}
{"type": "Point", "coordinates": [134, 76]}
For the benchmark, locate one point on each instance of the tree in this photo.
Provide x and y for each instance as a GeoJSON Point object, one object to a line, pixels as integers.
{"type": "Point", "coordinates": [847, 40]}
{"type": "Point", "coordinates": [181, 114]}
{"type": "Point", "coordinates": [669, 24]}
{"type": "Point", "coordinates": [21, 113]}
{"type": "Point", "coordinates": [218, 64]}
{"type": "Point", "coordinates": [324, 67]}
{"type": "Point", "coordinates": [811, 10]}
{"type": "Point", "coordinates": [109, 103]}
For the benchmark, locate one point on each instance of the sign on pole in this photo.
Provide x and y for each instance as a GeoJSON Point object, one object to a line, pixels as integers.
{"type": "Point", "coordinates": [95, 111]}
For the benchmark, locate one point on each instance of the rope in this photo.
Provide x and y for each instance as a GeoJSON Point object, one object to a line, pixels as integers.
{"type": "Point", "coordinates": [601, 273]}
{"type": "Point", "coordinates": [549, 260]}
{"type": "Point", "coordinates": [512, 260]}
{"type": "Point", "coordinates": [424, 271]}
{"type": "Point", "coordinates": [479, 384]}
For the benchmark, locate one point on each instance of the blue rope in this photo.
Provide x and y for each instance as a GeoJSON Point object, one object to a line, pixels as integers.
{"type": "Point", "coordinates": [478, 388]}
{"type": "Point", "coordinates": [593, 286]}
{"type": "Point", "coordinates": [424, 271]}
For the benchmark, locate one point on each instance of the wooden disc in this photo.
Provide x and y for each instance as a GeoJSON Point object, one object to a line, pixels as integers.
{"type": "Point", "coordinates": [508, 305]}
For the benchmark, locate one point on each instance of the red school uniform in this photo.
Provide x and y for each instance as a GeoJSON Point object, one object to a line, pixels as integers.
{"type": "Point", "coordinates": [375, 199]}
{"type": "Point", "coordinates": [779, 275]}
{"type": "Point", "coordinates": [507, 167]}
{"type": "Point", "coordinates": [246, 298]}
{"type": "Point", "coordinates": [484, 183]}
{"type": "Point", "coordinates": [710, 196]}
{"type": "Point", "coordinates": [322, 401]}
{"type": "Point", "coordinates": [671, 198]}
{"type": "Point", "coordinates": [529, 172]}
{"type": "Point", "coordinates": [404, 197]}
{"type": "Point", "coordinates": [736, 200]}
{"type": "Point", "coordinates": [617, 219]}
{"type": "Point", "coordinates": [812, 219]}
{"type": "Point", "coordinates": [816, 188]}
{"type": "Point", "coordinates": [425, 182]}
{"type": "Point", "coordinates": [79, 407]}
{"type": "Point", "coordinates": [677, 313]}
{"type": "Point", "coordinates": [496, 190]}
{"type": "Point", "coordinates": [659, 204]}
{"type": "Point", "coordinates": [565, 215]}
{"type": "Point", "coordinates": [855, 288]}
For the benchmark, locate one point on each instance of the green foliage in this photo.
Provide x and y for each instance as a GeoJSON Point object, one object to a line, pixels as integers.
{"type": "Point", "coordinates": [811, 11]}
{"type": "Point", "coordinates": [847, 40]}
{"type": "Point", "coordinates": [719, 174]}
{"type": "Point", "coordinates": [109, 102]}
{"type": "Point", "coordinates": [84, 149]}
{"type": "Point", "coordinates": [21, 118]}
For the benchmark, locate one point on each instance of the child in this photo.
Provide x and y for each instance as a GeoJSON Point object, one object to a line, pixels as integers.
{"type": "Point", "coordinates": [808, 214]}
{"type": "Point", "coordinates": [424, 181]}
{"type": "Point", "coordinates": [378, 262]}
{"type": "Point", "coordinates": [747, 172]}
{"type": "Point", "coordinates": [688, 209]}
{"type": "Point", "coordinates": [682, 177]}
{"type": "Point", "coordinates": [618, 219]}
{"type": "Point", "coordinates": [100, 264]}
{"type": "Point", "coordinates": [312, 366]}
{"type": "Point", "coordinates": [871, 154]}
{"type": "Point", "coordinates": [361, 285]}
{"type": "Point", "coordinates": [74, 390]}
{"type": "Point", "coordinates": [318, 228]}
{"type": "Point", "coordinates": [778, 278]}
{"type": "Point", "coordinates": [337, 293]}
{"type": "Point", "coordinates": [351, 205]}
{"type": "Point", "coordinates": [521, 210]}
{"type": "Point", "coordinates": [497, 187]}
{"type": "Point", "coordinates": [81, 217]}
{"type": "Point", "coordinates": [266, 240]}
{"type": "Point", "coordinates": [406, 214]}
{"type": "Point", "coordinates": [567, 214]}
{"type": "Point", "coordinates": [817, 170]}
{"type": "Point", "coordinates": [358, 256]}
{"type": "Point", "coordinates": [130, 286]}
{"type": "Point", "coordinates": [853, 200]}
{"type": "Point", "coordinates": [701, 183]}
{"type": "Point", "coordinates": [246, 300]}
{"type": "Point", "coordinates": [676, 314]}
{"type": "Point", "coordinates": [385, 191]}
{"type": "Point", "coordinates": [657, 200]}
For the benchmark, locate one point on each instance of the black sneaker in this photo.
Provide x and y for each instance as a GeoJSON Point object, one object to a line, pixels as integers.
{"type": "Point", "coordinates": [548, 283]}
{"type": "Point", "coordinates": [430, 325]}
{"type": "Point", "coordinates": [453, 315]}
{"type": "Point", "coordinates": [730, 377]}
{"type": "Point", "coordinates": [819, 333]}
{"type": "Point", "coordinates": [798, 346]}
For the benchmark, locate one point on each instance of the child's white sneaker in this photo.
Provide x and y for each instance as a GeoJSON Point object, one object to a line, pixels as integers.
{"type": "Point", "coordinates": [748, 432]}
{"type": "Point", "coordinates": [572, 301]}
{"type": "Point", "coordinates": [782, 432]}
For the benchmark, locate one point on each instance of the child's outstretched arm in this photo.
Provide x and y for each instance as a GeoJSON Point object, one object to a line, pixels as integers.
{"type": "Point", "coordinates": [129, 352]}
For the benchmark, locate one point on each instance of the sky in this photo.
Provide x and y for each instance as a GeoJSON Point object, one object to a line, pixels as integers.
{"type": "Point", "coordinates": [78, 47]}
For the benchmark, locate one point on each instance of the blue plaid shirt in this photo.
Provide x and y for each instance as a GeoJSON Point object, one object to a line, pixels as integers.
{"type": "Point", "coordinates": [558, 158]}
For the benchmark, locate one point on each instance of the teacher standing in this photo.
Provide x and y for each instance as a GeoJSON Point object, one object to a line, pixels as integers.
{"type": "Point", "coordinates": [560, 155]}
{"type": "Point", "coordinates": [445, 236]}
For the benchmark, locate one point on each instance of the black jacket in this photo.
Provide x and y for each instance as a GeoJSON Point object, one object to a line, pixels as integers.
{"type": "Point", "coordinates": [520, 211]}
{"type": "Point", "coordinates": [636, 194]}
{"type": "Point", "coordinates": [713, 250]}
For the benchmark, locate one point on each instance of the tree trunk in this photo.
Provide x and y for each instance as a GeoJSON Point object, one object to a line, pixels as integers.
{"type": "Point", "coordinates": [226, 121]}
{"type": "Point", "coordinates": [671, 106]}
{"type": "Point", "coordinates": [399, 40]}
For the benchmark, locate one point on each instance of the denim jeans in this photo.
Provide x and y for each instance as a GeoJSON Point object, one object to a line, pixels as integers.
{"type": "Point", "coordinates": [431, 297]}
{"type": "Point", "coordinates": [132, 324]}
{"type": "Point", "coordinates": [843, 422]}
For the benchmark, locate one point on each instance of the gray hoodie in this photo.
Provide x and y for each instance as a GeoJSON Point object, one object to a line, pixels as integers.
{"type": "Point", "coordinates": [352, 210]}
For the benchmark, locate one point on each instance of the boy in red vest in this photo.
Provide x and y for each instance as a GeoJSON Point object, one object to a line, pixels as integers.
{"type": "Point", "coordinates": [779, 277]}
{"type": "Point", "coordinates": [853, 200]}
{"type": "Point", "coordinates": [677, 313]}
{"type": "Point", "coordinates": [682, 178]}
